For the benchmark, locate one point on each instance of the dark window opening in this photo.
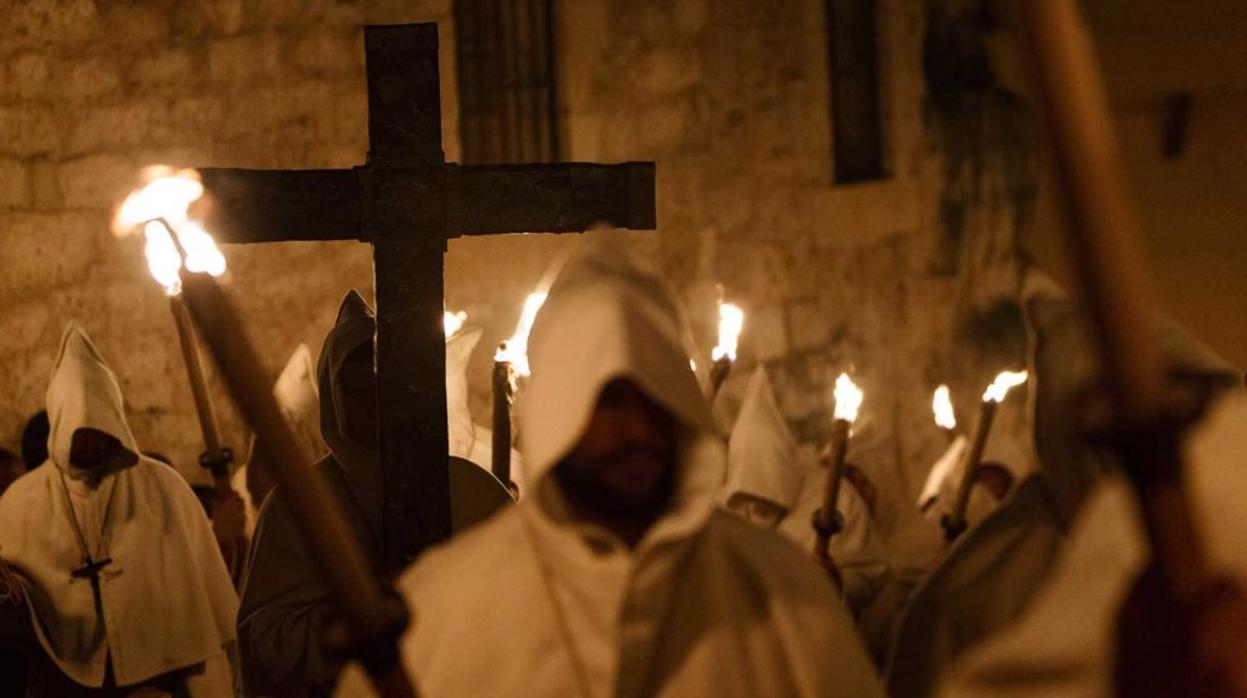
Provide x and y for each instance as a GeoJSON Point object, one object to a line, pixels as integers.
{"type": "Point", "coordinates": [856, 119]}
{"type": "Point", "coordinates": [508, 101]}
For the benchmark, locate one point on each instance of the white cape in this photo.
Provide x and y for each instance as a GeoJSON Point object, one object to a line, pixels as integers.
{"type": "Point", "coordinates": [531, 603]}
{"type": "Point", "coordinates": [166, 598]}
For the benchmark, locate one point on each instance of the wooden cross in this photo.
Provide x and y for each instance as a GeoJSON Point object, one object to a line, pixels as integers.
{"type": "Point", "coordinates": [407, 201]}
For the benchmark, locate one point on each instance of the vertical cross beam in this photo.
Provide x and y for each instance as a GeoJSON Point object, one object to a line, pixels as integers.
{"type": "Point", "coordinates": [404, 131]}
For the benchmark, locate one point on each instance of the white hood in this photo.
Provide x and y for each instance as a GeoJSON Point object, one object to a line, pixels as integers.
{"type": "Point", "coordinates": [761, 453]}
{"type": "Point", "coordinates": [607, 316]}
{"type": "Point", "coordinates": [166, 600]}
{"type": "Point", "coordinates": [298, 397]}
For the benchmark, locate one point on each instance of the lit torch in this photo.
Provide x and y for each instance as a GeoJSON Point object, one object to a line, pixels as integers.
{"type": "Point", "coordinates": [161, 202]}
{"type": "Point", "coordinates": [731, 322]}
{"type": "Point", "coordinates": [955, 523]}
{"type": "Point", "coordinates": [453, 322]}
{"type": "Point", "coordinates": [510, 362]}
{"type": "Point", "coordinates": [827, 520]}
{"type": "Point", "coordinates": [161, 206]}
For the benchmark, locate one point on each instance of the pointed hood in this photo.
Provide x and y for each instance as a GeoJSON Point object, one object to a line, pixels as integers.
{"type": "Point", "coordinates": [462, 433]}
{"type": "Point", "coordinates": [84, 394]}
{"type": "Point", "coordinates": [607, 316]}
{"type": "Point", "coordinates": [297, 397]}
{"type": "Point", "coordinates": [165, 598]}
{"type": "Point", "coordinates": [761, 453]}
{"type": "Point", "coordinates": [355, 327]}
{"type": "Point", "coordinates": [1064, 367]}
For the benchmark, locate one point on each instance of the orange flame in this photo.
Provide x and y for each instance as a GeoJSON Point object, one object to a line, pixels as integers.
{"type": "Point", "coordinates": [515, 349]}
{"type": "Point", "coordinates": [453, 322]}
{"type": "Point", "coordinates": [159, 206]}
{"type": "Point", "coordinates": [848, 398]}
{"type": "Point", "coordinates": [942, 406]}
{"type": "Point", "coordinates": [731, 321]}
{"type": "Point", "coordinates": [1005, 380]}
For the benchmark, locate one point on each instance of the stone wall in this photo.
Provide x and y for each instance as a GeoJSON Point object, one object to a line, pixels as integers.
{"type": "Point", "coordinates": [730, 97]}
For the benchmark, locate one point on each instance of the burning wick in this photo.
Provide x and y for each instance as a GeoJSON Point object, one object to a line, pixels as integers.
{"type": "Point", "coordinates": [515, 349]}
{"type": "Point", "coordinates": [168, 249]}
{"type": "Point", "coordinates": [731, 321]}
{"type": "Point", "coordinates": [827, 520]}
{"type": "Point", "coordinates": [955, 523]}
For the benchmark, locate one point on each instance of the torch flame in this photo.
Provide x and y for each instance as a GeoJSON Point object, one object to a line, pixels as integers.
{"type": "Point", "coordinates": [167, 194]}
{"type": "Point", "coordinates": [942, 406]}
{"type": "Point", "coordinates": [731, 321]}
{"type": "Point", "coordinates": [515, 349]}
{"type": "Point", "coordinates": [999, 388]}
{"type": "Point", "coordinates": [163, 259]}
{"type": "Point", "coordinates": [848, 398]}
{"type": "Point", "coordinates": [202, 254]}
{"type": "Point", "coordinates": [453, 322]}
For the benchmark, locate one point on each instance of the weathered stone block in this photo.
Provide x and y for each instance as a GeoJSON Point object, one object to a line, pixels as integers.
{"type": "Point", "coordinates": [667, 69]}
{"type": "Point", "coordinates": [243, 59]}
{"type": "Point", "coordinates": [808, 325]}
{"type": "Point", "coordinates": [329, 51]}
{"type": "Point", "coordinates": [28, 130]}
{"type": "Point", "coordinates": [28, 73]}
{"type": "Point", "coordinates": [43, 251]}
{"type": "Point", "coordinates": [45, 188]}
{"type": "Point", "coordinates": [14, 183]}
{"type": "Point", "coordinates": [171, 66]}
{"type": "Point", "coordinates": [96, 181]}
{"type": "Point", "coordinates": [91, 77]}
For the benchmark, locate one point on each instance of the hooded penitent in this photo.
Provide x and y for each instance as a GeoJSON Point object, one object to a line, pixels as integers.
{"type": "Point", "coordinates": [165, 598]}
{"type": "Point", "coordinates": [703, 605]}
{"type": "Point", "coordinates": [285, 602]}
{"type": "Point", "coordinates": [995, 569]}
{"type": "Point", "coordinates": [761, 455]}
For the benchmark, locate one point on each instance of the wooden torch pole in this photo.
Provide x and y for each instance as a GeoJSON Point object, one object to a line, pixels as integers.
{"type": "Point", "coordinates": [1104, 236]}
{"type": "Point", "coordinates": [374, 625]}
{"type": "Point", "coordinates": [954, 523]}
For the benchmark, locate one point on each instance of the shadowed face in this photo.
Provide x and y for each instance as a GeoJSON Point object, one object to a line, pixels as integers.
{"type": "Point", "coordinates": [91, 450]}
{"type": "Point", "coordinates": [624, 464]}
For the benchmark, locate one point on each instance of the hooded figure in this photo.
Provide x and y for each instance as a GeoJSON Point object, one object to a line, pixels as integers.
{"type": "Point", "coordinates": [286, 605]}
{"type": "Point", "coordinates": [123, 580]}
{"type": "Point", "coordinates": [1064, 645]}
{"type": "Point", "coordinates": [696, 603]}
{"type": "Point", "coordinates": [994, 571]}
{"type": "Point", "coordinates": [763, 477]}
{"type": "Point", "coordinates": [768, 486]}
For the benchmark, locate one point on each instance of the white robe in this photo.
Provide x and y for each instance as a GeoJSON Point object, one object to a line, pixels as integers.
{"type": "Point", "coordinates": [1064, 645]}
{"type": "Point", "coordinates": [166, 598]}
{"type": "Point", "coordinates": [532, 603]}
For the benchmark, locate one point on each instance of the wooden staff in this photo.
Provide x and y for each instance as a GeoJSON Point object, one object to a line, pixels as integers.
{"type": "Point", "coordinates": [374, 625]}
{"type": "Point", "coordinates": [827, 520]}
{"type": "Point", "coordinates": [215, 457]}
{"type": "Point", "coordinates": [1111, 267]}
{"type": "Point", "coordinates": [501, 458]}
{"type": "Point", "coordinates": [954, 523]}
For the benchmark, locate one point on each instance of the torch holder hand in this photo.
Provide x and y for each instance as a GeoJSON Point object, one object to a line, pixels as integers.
{"type": "Point", "coordinates": [378, 651]}
{"type": "Point", "coordinates": [952, 527]}
{"type": "Point", "coordinates": [217, 462]}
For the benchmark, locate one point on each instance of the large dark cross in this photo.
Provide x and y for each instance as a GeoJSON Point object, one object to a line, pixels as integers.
{"type": "Point", "coordinates": [407, 201]}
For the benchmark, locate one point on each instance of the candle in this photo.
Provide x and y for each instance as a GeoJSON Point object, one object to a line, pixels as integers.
{"type": "Point", "coordinates": [731, 321]}
{"type": "Point", "coordinates": [955, 523]}
{"type": "Point", "coordinates": [828, 520]}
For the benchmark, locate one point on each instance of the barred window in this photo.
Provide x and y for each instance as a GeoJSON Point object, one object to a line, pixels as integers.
{"type": "Point", "coordinates": [508, 101]}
